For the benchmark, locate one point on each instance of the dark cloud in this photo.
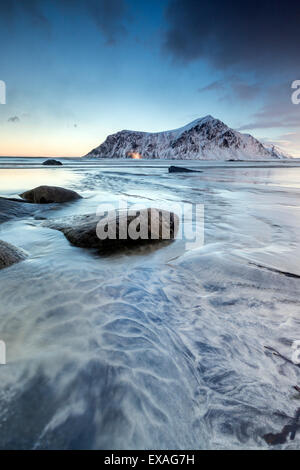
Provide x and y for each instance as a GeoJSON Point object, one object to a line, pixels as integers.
{"type": "Point", "coordinates": [247, 35]}
{"type": "Point", "coordinates": [13, 119]}
{"type": "Point", "coordinates": [7, 10]}
{"type": "Point", "coordinates": [108, 15]}
{"type": "Point", "coordinates": [33, 7]}
{"type": "Point", "coordinates": [30, 8]}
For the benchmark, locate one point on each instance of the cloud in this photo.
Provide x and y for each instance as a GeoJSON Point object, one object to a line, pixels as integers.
{"type": "Point", "coordinates": [30, 8]}
{"type": "Point", "coordinates": [13, 119]}
{"type": "Point", "coordinates": [278, 111]}
{"type": "Point", "coordinates": [232, 88]}
{"type": "Point", "coordinates": [217, 85]}
{"type": "Point", "coordinates": [252, 35]}
{"type": "Point", "coordinates": [108, 15]}
{"type": "Point", "coordinates": [33, 8]}
{"type": "Point", "coordinates": [270, 123]}
{"type": "Point", "coordinates": [246, 91]}
{"type": "Point", "coordinates": [289, 143]}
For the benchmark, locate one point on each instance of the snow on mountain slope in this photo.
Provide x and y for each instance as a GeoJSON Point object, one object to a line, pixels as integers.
{"type": "Point", "coordinates": [203, 139]}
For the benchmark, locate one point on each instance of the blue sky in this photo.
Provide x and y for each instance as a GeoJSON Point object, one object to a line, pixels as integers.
{"type": "Point", "coordinates": [77, 71]}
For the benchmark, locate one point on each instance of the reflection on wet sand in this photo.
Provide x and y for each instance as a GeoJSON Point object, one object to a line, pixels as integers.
{"type": "Point", "coordinates": [14, 181]}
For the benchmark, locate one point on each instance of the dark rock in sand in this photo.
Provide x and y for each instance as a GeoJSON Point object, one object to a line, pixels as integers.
{"type": "Point", "coordinates": [10, 254]}
{"type": "Point", "coordinates": [48, 194]}
{"type": "Point", "coordinates": [181, 169]}
{"type": "Point", "coordinates": [52, 162]}
{"type": "Point", "coordinates": [87, 230]}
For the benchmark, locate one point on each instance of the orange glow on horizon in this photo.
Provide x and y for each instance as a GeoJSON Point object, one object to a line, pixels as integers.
{"type": "Point", "coordinates": [60, 148]}
{"type": "Point", "coordinates": [23, 141]}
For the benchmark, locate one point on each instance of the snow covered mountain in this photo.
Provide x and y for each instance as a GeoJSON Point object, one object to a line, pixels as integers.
{"type": "Point", "coordinates": [204, 139]}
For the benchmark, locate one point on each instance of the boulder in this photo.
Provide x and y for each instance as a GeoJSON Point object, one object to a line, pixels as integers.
{"type": "Point", "coordinates": [48, 194]}
{"type": "Point", "coordinates": [10, 254]}
{"type": "Point", "coordinates": [181, 169]}
{"type": "Point", "coordinates": [117, 229]}
{"type": "Point", "coordinates": [52, 162]}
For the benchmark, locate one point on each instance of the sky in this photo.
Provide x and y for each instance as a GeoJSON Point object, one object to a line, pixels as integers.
{"type": "Point", "coordinates": [76, 71]}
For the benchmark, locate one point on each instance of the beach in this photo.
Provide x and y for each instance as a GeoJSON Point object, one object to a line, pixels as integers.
{"type": "Point", "coordinates": [163, 346]}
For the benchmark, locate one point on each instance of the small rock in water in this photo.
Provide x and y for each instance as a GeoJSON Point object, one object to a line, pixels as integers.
{"type": "Point", "coordinates": [10, 254]}
{"type": "Point", "coordinates": [48, 194]}
{"type": "Point", "coordinates": [181, 169]}
{"type": "Point", "coordinates": [118, 229]}
{"type": "Point", "coordinates": [52, 162]}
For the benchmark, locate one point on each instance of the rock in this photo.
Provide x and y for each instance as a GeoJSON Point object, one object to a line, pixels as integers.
{"type": "Point", "coordinates": [181, 169]}
{"type": "Point", "coordinates": [52, 162]}
{"type": "Point", "coordinates": [48, 194]}
{"type": "Point", "coordinates": [12, 208]}
{"type": "Point", "coordinates": [90, 231]}
{"type": "Point", "coordinates": [10, 254]}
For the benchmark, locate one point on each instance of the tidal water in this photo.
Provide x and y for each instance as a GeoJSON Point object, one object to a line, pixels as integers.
{"type": "Point", "coordinates": [159, 347]}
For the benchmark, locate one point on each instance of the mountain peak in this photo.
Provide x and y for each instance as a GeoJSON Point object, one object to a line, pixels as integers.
{"type": "Point", "coordinates": [200, 121]}
{"type": "Point", "coordinates": [207, 118]}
